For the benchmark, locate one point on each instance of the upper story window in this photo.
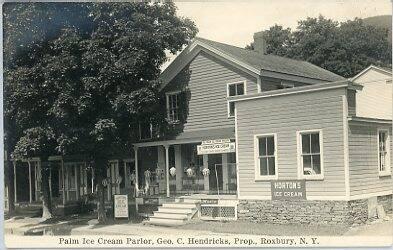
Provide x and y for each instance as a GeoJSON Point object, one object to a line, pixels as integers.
{"type": "Point", "coordinates": [266, 157]}
{"type": "Point", "coordinates": [145, 131]}
{"type": "Point", "coordinates": [310, 154]}
{"type": "Point", "coordinates": [235, 89]}
{"type": "Point", "coordinates": [172, 106]}
{"type": "Point", "coordinates": [383, 152]}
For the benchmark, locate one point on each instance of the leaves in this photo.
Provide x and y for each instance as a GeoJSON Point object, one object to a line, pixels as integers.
{"type": "Point", "coordinates": [344, 48]}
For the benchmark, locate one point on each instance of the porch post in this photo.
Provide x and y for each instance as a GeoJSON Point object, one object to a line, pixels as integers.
{"type": "Point", "coordinates": [30, 183]}
{"type": "Point", "coordinates": [206, 178]}
{"type": "Point", "coordinates": [63, 180]}
{"type": "Point", "coordinates": [15, 191]}
{"type": "Point", "coordinates": [77, 189]}
{"type": "Point", "coordinates": [225, 171]}
{"type": "Point", "coordinates": [50, 180]}
{"type": "Point", "coordinates": [136, 172]}
{"type": "Point", "coordinates": [179, 168]}
{"type": "Point", "coordinates": [125, 175]}
{"type": "Point", "coordinates": [167, 169]}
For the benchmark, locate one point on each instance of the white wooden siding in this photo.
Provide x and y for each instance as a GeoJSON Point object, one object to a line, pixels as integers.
{"type": "Point", "coordinates": [285, 115]}
{"type": "Point", "coordinates": [363, 160]}
{"type": "Point", "coordinates": [375, 100]}
{"type": "Point", "coordinates": [208, 87]}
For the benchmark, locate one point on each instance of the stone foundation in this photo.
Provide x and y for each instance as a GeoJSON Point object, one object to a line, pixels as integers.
{"type": "Point", "coordinates": [387, 202]}
{"type": "Point", "coordinates": [304, 212]}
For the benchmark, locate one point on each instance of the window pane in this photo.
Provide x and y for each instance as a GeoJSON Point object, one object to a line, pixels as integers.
{"type": "Point", "coordinates": [270, 145]}
{"type": "Point", "coordinates": [262, 146]}
{"type": "Point", "coordinates": [231, 109]}
{"type": "Point", "coordinates": [232, 90]}
{"type": "Point", "coordinates": [306, 143]}
{"type": "Point", "coordinates": [316, 163]}
{"type": "Point", "coordinates": [263, 166]}
{"type": "Point", "coordinates": [272, 164]}
{"type": "Point", "coordinates": [315, 143]}
{"type": "Point", "coordinates": [240, 88]}
{"type": "Point", "coordinates": [307, 170]}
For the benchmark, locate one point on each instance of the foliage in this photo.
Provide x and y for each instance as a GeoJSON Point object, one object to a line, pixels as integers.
{"type": "Point", "coordinates": [344, 48]}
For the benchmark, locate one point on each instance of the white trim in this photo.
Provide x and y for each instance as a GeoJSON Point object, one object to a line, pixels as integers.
{"type": "Point", "coordinates": [258, 176]}
{"type": "Point", "coordinates": [259, 84]}
{"type": "Point", "coordinates": [237, 154]}
{"type": "Point", "coordinates": [299, 90]}
{"type": "Point", "coordinates": [346, 145]}
{"type": "Point", "coordinates": [369, 68]}
{"type": "Point", "coordinates": [244, 90]}
{"type": "Point", "coordinates": [371, 120]}
{"type": "Point", "coordinates": [300, 174]}
{"type": "Point", "coordinates": [388, 170]}
{"type": "Point", "coordinates": [167, 94]}
{"type": "Point", "coordinates": [368, 195]}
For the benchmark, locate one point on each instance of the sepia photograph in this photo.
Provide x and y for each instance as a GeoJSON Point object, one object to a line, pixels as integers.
{"type": "Point", "coordinates": [197, 124]}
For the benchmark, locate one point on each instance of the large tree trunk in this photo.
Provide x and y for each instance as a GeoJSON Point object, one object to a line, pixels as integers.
{"type": "Point", "coordinates": [100, 167]}
{"type": "Point", "coordinates": [46, 199]}
{"type": "Point", "coordinates": [11, 191]}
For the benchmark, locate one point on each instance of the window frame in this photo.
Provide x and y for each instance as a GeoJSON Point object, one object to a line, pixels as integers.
{"type": "Point", "coordinates": [168, 117]}
{"type": "Point", "coordinates": [244, 82]}
{"type": "Point", "coordinates": [387, 171]}
{"type": "Point", "coordinates": [140, 132]}
{"type": "Point", "coordinates": [301, 175]}
{"type": "Point", "coordinates": [258, 176]}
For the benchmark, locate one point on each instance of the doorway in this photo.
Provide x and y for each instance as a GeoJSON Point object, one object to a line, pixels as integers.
{"type": "Point", "coordinates": [215, 164]}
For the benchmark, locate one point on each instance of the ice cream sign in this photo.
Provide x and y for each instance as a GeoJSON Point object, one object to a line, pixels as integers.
{"type": "Point", "coordinates": [218, 146]}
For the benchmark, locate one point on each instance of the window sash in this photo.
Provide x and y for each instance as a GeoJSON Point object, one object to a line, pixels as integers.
{"type": "Point", "coordinates": [266, 156]}
{"type": "Point", "coordinates": [235, 89]}
{"type": "Point", "coordinates": [173, 107]}
{"type": "Point", "coordinates": [311, 149]}
{"type": "Point", "coordinates": [383, 151]}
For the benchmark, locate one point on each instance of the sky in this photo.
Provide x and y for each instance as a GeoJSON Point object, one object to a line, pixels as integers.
{"type": "Point", "coordinates": [235, 21]}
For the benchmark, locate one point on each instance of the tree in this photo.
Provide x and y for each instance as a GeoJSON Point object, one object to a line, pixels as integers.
{"type": "Point", "coordinates": [344, 48]}
{"type": "Point", "coordinates": [99, 86]}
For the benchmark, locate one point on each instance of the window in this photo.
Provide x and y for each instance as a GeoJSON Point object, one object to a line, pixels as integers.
{"type": "Point", "coordinates": [147, 131]}
{"type": "Point", "coordinates": [383, 152]}
{"type": "Point", "coordinates": [310, 155]}
{"type": "Point", "coordinates": [172, 104]}
{"type": "Point", "coordinates": [266, 157]}
{"type": "Point", "coordinates": [234, 89]}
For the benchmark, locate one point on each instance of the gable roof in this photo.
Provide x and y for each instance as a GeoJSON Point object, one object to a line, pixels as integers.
{"type": "Point", "coordinates": [383, 70]}
{"type": "Point", "coordinates": [252, 61]}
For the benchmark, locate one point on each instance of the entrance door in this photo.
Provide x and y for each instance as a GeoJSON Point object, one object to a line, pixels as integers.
{"type": "Point", "coordinates": [215, 164]}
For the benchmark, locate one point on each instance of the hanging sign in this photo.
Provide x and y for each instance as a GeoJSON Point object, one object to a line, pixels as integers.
{"type": "Point", "coordinates": [288, 190]}
{"type": "Point", "coordinates": [227, 147]}
{"type": "Point", "coordinates": [218, 146]}
{"type": "Point", "coordinates": [120, 206]}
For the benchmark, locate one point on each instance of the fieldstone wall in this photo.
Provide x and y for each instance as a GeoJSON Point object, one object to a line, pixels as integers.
{"type": "Point", "coordinates": [304, 212]}
{"type": "Point", "coordinates": [387, 202]}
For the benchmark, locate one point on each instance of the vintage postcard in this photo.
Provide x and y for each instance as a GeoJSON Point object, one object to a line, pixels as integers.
{"type": "Point", "coordinates": [197, 124]}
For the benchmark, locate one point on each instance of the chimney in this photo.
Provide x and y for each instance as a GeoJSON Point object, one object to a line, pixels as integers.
{"type": "Point", "coordinates": [260, 42]}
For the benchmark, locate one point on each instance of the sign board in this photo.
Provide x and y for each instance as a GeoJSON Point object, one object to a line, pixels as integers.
{"type": "Point", "coordinates": [209, 201]}
{"type": "Point", "coordinates": [120, 206]}
{"type": "Point", "coordinates": [217, 141]}
{"type": "Point", "coordinates": [216, 148]}
{"type": "Point", "coordinates": [288, 190]}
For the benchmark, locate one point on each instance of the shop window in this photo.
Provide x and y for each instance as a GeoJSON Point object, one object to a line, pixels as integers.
{"type": "Point", "coordinates": [383, 152]}
{"type": "Point", "coordinates": [310, 154]}
{"type": "Point", "coordinates": [172, 105]}
{"type": "Point", "coordinates": [234, 89]}
{"type": "Point", "coordinates": [266, 156]}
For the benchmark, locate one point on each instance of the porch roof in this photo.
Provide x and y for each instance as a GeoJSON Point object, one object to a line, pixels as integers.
{"type": "Point", "coordinates": [193, 137]}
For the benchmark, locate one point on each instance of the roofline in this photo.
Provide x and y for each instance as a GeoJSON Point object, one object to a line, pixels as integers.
{"type": "Point", "coordinates": [297, 90]}
{"type": "Point", "coordinates": [171, 71]}
{"type": "Point", "coordinates": [367, 69]}
{"type": "Point", "coordinates": [369, 120]}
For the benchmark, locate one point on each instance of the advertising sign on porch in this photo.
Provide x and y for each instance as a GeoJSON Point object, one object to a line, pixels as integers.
{"type": "Point", "coordinates": [288, 190]}
{"type": "Point", "coordinates": [120, 206]}
{"type": "Point", "coordinates": [218, 146]}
